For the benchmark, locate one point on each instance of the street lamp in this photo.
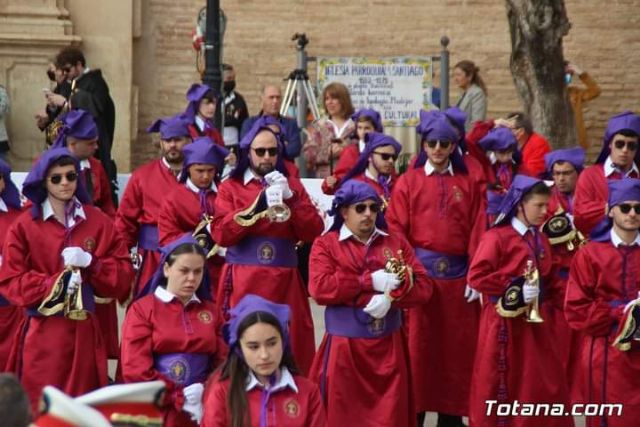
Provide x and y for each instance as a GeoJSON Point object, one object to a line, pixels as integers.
{"type": "Point", "coordinates": [213, 37]}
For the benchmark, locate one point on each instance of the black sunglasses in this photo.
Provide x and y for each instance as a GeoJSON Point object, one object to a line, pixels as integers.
{"type": "Point", "coordinates": [443, 144]}
{"type": "Point", "coordinates": [260, 152]}
{"type": "Point", "coordinates": [625, 208]}
{"type": "Point", "coordinates": [361, 207]}
{"type": "Point", "coordinates": [387, 156]}
{"type": "Point", "coordinates": [57, 178]}
{"type": "Point", "coordinates": [631, 145]}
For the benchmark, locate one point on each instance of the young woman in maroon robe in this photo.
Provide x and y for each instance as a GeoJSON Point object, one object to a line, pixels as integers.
{"type": "Point", "coordinates": [259, 384]}
{"type": "Point", "coordinates": [172, 333]}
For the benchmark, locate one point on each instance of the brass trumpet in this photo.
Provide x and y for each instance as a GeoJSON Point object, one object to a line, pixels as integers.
{"type": "Point", "coordinates": [73, 305]}
{"type": "Point", "coordinates": [396, 265]}
{"type": "Point", "coordinates": [277, 210]}
{"type": "Point", "coordinates": [531, 275]}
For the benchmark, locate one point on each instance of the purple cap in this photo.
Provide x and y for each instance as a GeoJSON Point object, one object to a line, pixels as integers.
{"type": "Point", "coordinates": [78, 124]}
{"type": "Point", "coordinates": [494, 200]}
{"type": "Point", "coordinates": [250, 304]}
{"type": "Point", "coordinates": [436, 125]}
{"type": "Point", "coordinates": [575, 156]}
{"type": "Point", "coordinates": [499, 138]}
{"type": "Point", "coordinates": [263, 123]}
{"type": "Point", "coordinates": [353, 191]}
{"type": "Point", "coordinates": [171, 127]}
{"type": "Point", "coordinates": [195, 94]}
{"type": "Point", "coordinates": [10, 195]}
{"type": "Point", "coordinates": [373, 140]}
{"type": "Point", "coordinates": [158, 278]}
{"type": "Point", "coordinates": [457, 118]}
{"type": "Point", "coordinates": [520, 185]}
{"type": "Point", "coordinates": [371, 114]}
{"type": "Point", "coordinates": [623, 190]}
{"type": "Point", "coordinates": [624, 121]}
{"type": "Point", "coordinates": [203, 151]}
{"type": "Point", "coordinates": [34, 188]}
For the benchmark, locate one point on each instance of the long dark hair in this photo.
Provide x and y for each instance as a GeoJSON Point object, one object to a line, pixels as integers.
{"type": "Point", "coordinates": [235, 368]}
{"type": "Point", "coordinates": [471, 70]}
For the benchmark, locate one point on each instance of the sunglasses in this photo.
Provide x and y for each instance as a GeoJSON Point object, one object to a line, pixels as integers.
{"type": "Point", "coordinates": [386, 156]}
{"type": "Point", "coordinates": [631, 145]}
{"type": "Point", "coordinates": [625, 208]}
{"type": "Point", "coordinates": [443, 144]}
{"type": "Point", "coordinates": [260, 152]}
{"type": "Point", "coordinates": [57, 178]}
{"type": "Point", "coordinates": [361, 207]}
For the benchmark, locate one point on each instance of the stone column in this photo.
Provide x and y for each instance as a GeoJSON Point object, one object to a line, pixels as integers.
{"type": "Point", "coordinates": [31, 33]}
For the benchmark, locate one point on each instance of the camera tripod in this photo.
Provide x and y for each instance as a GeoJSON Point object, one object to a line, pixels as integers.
{"type": "Point", "coordinates": [298, 84]}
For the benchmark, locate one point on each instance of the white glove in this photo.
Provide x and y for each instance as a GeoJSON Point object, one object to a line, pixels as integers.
{"type": "Point", "coordinates": [530, 292]}
{"type": "Point", "coordinates": [276, 179]}
{"type": "Point", "coordinates": [75, 281]}
{"type": "Point", "coordinates": [471, 294]}
{"type": "Point", "coordinates": [193, 401]}
{"type": "Point", "coordinates": [383, 281]}
{"type": "Point", "coordinates": [378, 306]}
{"type": "Point", "coordinates": [76, 257]}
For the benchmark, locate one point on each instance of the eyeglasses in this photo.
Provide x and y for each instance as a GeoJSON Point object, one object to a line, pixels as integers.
{"type": "Point", "coordinates": [260, 152]}
{"type": "Point", "coordinates": [443, 144]}
{"type": "Point", "coordinates": [57, 178]}
{"type": "Point", "coordinates": [386, 156]}
{"type": "Point", "coordinates": [631, 145]}
{"type": "Point", "coordinates": [361, 207]}
{"type": "Point", "coordinates": [625, 208]}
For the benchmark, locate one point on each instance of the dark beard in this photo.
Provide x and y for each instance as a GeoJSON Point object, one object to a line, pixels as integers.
{"type": "Point", "coordinates": [263, 170]}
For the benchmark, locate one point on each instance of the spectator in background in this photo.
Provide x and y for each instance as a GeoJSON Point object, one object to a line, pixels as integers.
{"type": "Point", "coordinates": [271, 100]}
{"type": "Point", "coordinates": [5, 107]}
{"type": "Point", "coordinates": [579, 95]}
{"type": "Point", "coordinates": [533, 146]}
{"type": "Point", "coordinates": [473, 100]}
{"type": "Point", "coordinates": [235, 108]}
{"type": "Point", "coordinates": [328, 136]}
{"type": "Point", "coordinates": [14, 403]}
{"type": "Point", "coordinates": [46, 118]}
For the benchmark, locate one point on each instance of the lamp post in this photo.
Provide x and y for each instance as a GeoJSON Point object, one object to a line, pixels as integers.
{"type": "Point", "coordinates": [212, 53]}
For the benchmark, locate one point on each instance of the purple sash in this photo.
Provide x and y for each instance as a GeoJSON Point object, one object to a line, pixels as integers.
{"type": "Point", "coordinates": [352, 322]}
{"type": "Point", "coordinates": [148, 237]}
{"type": "Point", "coordinates": [4, 302]}
{"type": "Point", "coordinates": [88, 302]}
{"type": "Point", "coordinates": [443, 266]}
{"type": "Point", "coordinates": [183, 368]}
{"type": "Point", "coordinates": [263, 251]}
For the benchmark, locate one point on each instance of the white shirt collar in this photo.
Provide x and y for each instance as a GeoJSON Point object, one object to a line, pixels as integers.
{"type": "Point", "coordinates": [85, 164]}
{"type": "Point", "coordinates": [519, 226]}
{"type": "Point", "coordinates": [47, 211]}
{"type": "Point", "coordinates": [609, 168]}
{"type": "Point", "coordinates": [338, 130]}
{"type": "Point", "coordinates": [286, 380]}
{"type": "Point", "coordinates": [429, 169]}
{"type": "Point", "coordinates": [249, 175]}
{"type": "Point", "coordinates": [191, 186]}
{"type": "Point", "coordinates": [200, 123]}
{"type": "Point", "coordinates": [361, 145]}
{"type": "Point", "coordinates": [345, 233]}
{"type": "Point", "coordinates": [168, 166]}
{"type": "Point", "coordinates": [617, 241]}
{"type": "Point", "coordinates": [165, 296]}
{"type": "Point", "coordinates": [3, 206]}
{"type": "Point", "coordinates": [369, 175]}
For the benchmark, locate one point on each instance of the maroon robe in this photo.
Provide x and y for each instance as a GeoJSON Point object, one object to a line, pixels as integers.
{"type": "Point", "coordinates": [153, 327]}
{"type": "Point", "coordinates": [181, 213]}
{"type": "Point", "coordinates": [443, 214]}
{"type": "Point", "coordinates": [365, 381]}
{"type": "Point", "coordinates": [140, 207]}
{"type": "Point", "coordinates": [602, 280]}
{"type": "Point", "coordinates": [515, 359]}
{"type": "Point", "coordinates": [279, 284]}
{"type": "Point", "coordinates": [10, 315]}
{"type": "Point", "coordinates": [54, 350]}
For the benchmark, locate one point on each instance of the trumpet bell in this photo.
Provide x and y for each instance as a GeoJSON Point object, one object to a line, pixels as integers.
{"type": "Point", "coordinates": [279, 213]}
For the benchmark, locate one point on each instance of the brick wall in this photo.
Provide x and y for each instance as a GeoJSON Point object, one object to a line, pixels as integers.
{"type": "Point", "coordinates": [602, 41]}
